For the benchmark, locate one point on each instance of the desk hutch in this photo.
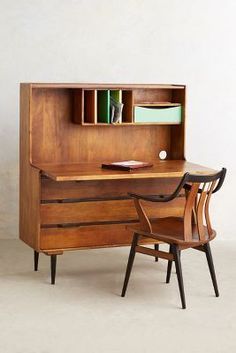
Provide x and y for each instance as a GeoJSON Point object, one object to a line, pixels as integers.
{"type": "Point", "coordinates": [67, 201]}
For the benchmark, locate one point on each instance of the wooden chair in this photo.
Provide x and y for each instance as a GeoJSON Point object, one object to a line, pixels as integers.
{"type": "Point", "coordinates": [182, 233]}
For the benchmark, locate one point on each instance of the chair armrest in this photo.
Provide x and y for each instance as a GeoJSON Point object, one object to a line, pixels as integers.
{"type": "Point", "coordinates": [162, 198]}
{"type": "Point", "coordinates": [152, 198]}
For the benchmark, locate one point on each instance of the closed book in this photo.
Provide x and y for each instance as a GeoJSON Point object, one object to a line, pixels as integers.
{"type": "Point", "coordinates": [126, 165]}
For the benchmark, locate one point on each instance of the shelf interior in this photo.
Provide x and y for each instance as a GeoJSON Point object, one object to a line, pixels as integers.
{"type": "Point", "coordinates": [92, 106]}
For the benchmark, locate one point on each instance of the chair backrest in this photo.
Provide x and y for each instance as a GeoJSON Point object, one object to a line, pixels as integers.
{"type": "Point", "coordinates": [199, 189]}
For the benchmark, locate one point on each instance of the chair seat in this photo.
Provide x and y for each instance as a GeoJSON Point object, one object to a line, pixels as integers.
{"type": "Point", "coordinates": [171, 230]}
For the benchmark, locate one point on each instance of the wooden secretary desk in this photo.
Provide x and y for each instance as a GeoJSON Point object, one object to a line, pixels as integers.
{"type": "Point", "coordinates": [67, 201]}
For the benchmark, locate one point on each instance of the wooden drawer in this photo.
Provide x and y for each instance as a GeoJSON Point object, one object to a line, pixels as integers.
{"type": "Point", "coordinates": [104, 211]}
{"type": "Point", "coordinates": [86, 237]}
{"type": "Point", "coordinates": [83, 206]}
{"type": "Point", "coordinates": [53, 190]}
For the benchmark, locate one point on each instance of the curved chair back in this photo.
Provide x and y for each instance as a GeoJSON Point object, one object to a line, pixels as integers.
{"type": "Point", "coordinates": [199, 189]}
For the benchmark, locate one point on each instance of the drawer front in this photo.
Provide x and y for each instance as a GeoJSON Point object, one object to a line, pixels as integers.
{"type": "Point", "coordinates": [104, 211]}
{"type": "Point", "coordinates": [86, 237]}
{"type": "Point", "coordinates": [157, 114]}
{"type": "Point", "coordinates": [53, 190]}
{"type": "Point", "coordinates": [85, 207]}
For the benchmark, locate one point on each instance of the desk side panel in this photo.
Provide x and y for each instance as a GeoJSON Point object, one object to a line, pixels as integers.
{"type": "Point", "coordinates": [177, 136]}
{"type": "Point", "coordinates": [29, 222]}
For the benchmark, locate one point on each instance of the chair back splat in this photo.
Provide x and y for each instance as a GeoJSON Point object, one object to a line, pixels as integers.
{"type": "Point", "coordinates": [199, 189]}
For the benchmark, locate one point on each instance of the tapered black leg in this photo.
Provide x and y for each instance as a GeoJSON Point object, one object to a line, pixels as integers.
{"type": "Point", "coordinates": [169, 267]}
{"type": "Point", "coordinates": [156, 247]}
{"type": "Point", "coordinates": [36, 260]}
{"type": "Point", "coordinates": [211, 267]}
{"type": "Point", "coordinates": [130, 263]}
{"type": "Point", "coordinates": [176, 253]}
{"type": "Point", "coordinates": [53, 268]}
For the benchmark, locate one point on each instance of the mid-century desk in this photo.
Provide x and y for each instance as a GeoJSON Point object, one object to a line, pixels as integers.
{"type": "Point", "coordinates": [67, 201]}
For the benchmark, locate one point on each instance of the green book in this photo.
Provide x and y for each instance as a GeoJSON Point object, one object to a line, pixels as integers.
{"type": "Point", "coordinates": [157, 115]}
{"type": "Point", "coordinates": [103, 102]}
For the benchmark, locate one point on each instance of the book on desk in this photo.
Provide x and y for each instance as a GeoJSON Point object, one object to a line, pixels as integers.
{"type": "Point", "coordinates": [127, 165]}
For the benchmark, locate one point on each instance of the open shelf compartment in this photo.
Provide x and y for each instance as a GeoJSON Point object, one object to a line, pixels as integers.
{"type": "Point", "coordinates": [92, 106]}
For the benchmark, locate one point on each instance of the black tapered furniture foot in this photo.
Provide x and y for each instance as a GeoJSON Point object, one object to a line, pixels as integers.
{"type": "Point", "coordinates": [169, 267]}
{"type": "Point", "coordinates": [130, 263]}
{"type": "Point", "coordinates": [176, 253]}
{"type": "Point", "coordinates": [53, 268]}
{"type": "Point", "coordinates": [36, 260]}
{"type": "Point", "coordinates": [207, 249]}
{"type": "Point", "coordinates": [156, 247]}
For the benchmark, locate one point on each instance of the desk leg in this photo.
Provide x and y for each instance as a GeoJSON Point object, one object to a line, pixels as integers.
{"type": "Point", "coordinates": [169, 267]}
{"type": "Point", "coordinates": [156, 247]}
{"type": "Point", "coordinates": [53, 262]}
{"type": "Point", "coordinates": [36, 260]}
{"type": "Point", "coordinates": [53, 268]}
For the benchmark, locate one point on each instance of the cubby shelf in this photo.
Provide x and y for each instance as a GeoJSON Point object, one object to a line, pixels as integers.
{"type": "Point", "coordinates": [86, 102]}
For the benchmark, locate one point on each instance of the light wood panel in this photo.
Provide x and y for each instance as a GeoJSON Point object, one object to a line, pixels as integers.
{"type": "Point", "coordinates": [58, 140]}
{"type": "Point", "coordinates": [146, 95]}
{"type": "Point", "coordinates": [52, 190]}
{"type": "Point", "coordinates": [105, 85]}
{"type": "Point", "coordinates": [103, 211]}
{"type": "Point", "coordinates": [29, 222]}
{"type": "Point", "coordinates": [93, 171]}
{"type": "Point", "coordinates": [177, 132]}
{"type": "Point", "coordinates": [86, 237]}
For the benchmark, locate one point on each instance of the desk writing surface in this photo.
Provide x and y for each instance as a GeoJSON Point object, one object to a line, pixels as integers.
{"type": "Point", "coordinates": [93, 171]}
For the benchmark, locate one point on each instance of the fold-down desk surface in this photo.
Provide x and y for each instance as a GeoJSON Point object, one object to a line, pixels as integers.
{"type": "Point", "coordinates": [93, 171]}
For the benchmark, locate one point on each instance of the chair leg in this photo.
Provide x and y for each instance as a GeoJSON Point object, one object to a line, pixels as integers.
{"type": "Point", "coordinates": [53, 268]}
{"type": "Point", "coordinates": [36, 260]}
{"type": "Point", "coordinates": [176, 253]}
{"type": "Point", "coordinates": [207, 249]}
{"type": "Point", "coordinates": [156, 247]}
{"type": "Point", "coordinates": [169, 267]}
{"type": "Point", "coordinates": [130, 263]}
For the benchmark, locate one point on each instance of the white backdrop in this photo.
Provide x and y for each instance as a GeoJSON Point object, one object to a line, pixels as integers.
{"type": "Point", "coordinates": [126, 41]}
